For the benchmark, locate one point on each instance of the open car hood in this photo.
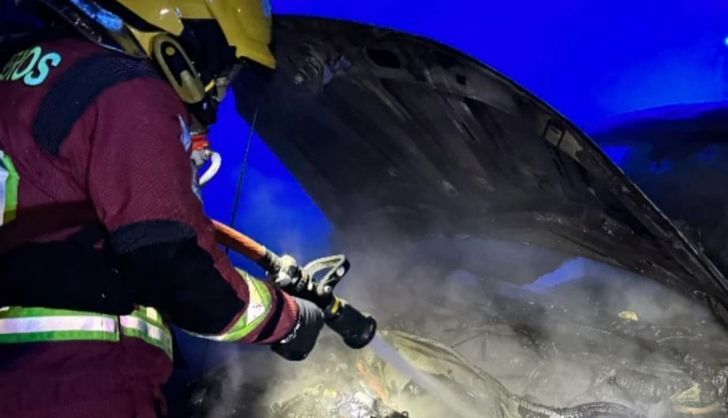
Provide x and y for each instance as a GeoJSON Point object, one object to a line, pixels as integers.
{"type": "Point", "coordinates": [389, 132]}
{"type": "Point", "coordinates": [679, 156]}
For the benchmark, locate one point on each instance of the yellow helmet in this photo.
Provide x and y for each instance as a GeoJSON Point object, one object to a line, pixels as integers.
{"type": "Point", "coordinates": [246, 24]}
{"type": "Point", "coordinates": [194, 42]}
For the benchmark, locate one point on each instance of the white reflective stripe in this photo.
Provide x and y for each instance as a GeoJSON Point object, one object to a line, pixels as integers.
{"type": "Point", "coordinates": [57, 323]}
{"type": "Point", "coordinates": [152, 314]}
{"type": "Point", "coordinates": [256, 307]}
{"type": "Point", "coordinates": [152, 331]}
{"type": "Point", "coordinates": [4, 174]}
{"type": "Point", "coordinates": [255, 310]}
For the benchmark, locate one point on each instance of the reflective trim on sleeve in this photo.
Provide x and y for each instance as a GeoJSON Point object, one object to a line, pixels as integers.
{"type": "Point", "coordinates": [259, 305]}
{"type": "Point", "coordinates": [152, 314]}
{"type": "Point", "coordinates": [9, 182]}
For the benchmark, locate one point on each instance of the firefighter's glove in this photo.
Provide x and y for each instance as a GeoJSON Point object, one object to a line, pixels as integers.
{"type": "Point", "coordinates": [297, 345]}
{"type": "Point", "coordinates": [288, 274]}
{"type": "Point", "coordinates": [290, 278]}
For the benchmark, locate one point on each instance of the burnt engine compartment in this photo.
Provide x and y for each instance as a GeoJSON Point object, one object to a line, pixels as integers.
{"type": "Point", "coordinates": [604, 343]}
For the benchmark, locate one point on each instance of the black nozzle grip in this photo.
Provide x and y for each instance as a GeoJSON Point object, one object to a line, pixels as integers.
{"type": "Point", "coordinates": [356, 328]}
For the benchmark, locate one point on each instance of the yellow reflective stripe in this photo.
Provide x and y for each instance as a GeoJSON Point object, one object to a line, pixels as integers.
{"type": "Point", "coordinates": [150, 315]}
{"type": "Point", "coordinates": [23, 312]}
{"type": "Point", "coordinates": [57, 323]}
{"type": "Point", "coordinates": [24, 325]}
{"type": "Point", "coordinates": [3, 192]}
{"type": "Point", "coordinates": [51, 336]}
{"type": "Point", "coordinates": [147, 324]}
{"type": "Point", "coordinates": [9, 182]}
{"type": "Point", "coordinates": [160, 337]}
{"type": "Point", "coordinates": [259, 305]}
{"type": "Point", "coordinates": [58, 328]}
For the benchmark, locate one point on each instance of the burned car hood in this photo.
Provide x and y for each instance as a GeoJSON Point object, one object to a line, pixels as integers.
{"type": "Point", "coordinates": [679, 156]}
{"type": "Point", "coordinates": [400, 139]}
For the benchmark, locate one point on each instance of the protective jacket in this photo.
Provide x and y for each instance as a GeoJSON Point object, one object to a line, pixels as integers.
{"type": "Point", "coordinates": [102, 236]}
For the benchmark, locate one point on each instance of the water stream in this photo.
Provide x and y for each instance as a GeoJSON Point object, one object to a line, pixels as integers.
{"type": "Point", "coordinates": [447, 397]}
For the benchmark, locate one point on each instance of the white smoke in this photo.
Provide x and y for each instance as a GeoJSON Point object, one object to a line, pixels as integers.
{"type": "Point", "coordinates": [553, 329]}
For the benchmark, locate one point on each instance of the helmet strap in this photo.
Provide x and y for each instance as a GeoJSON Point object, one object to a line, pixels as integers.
{"type": "Point", "coordinates": [182, 75]}
{"type": "Point", "coordinates": [178, 68]}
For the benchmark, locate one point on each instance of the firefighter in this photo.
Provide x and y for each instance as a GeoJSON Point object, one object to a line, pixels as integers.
{"type": "Point", "coordinates": [103, 240]}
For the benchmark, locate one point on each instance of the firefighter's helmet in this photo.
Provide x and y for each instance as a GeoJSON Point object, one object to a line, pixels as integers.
{"type": "Point", "coordinates": [196, 43]}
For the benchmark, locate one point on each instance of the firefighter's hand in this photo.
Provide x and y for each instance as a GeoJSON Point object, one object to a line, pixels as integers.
{"type": "Point", "coordinates": [290, 278]}
{"type": "Point", "coordinates": [299, 344]}
{"type": "Point", "coordinates": [288, 274]}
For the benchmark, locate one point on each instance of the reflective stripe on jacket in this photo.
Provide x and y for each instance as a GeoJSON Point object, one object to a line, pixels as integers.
{"type": "Point", "coordinates": [9, 180]}
{"type": "Point", "coordinates": [33, 325]}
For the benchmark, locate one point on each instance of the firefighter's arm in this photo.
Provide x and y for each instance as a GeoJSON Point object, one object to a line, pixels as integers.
{"type": "Point", "coordinates": [140, 181]}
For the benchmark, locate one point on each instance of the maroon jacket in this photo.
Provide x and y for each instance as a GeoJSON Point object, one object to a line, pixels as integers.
{"type": "Point", "coordinates": [113, 153]}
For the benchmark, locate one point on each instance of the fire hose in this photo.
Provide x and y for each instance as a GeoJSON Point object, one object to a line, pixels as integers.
{"type": "Point", "coordinates": [315, 281]}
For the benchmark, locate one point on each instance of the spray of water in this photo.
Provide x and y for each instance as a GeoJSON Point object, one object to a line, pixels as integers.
{"type": "Point", "coordinates": [435, 388]}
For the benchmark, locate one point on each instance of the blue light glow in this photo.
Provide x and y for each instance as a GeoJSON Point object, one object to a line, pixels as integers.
{"type": "Point", "coordinates": [571, 270]}
{"type": "Point", "coordinates": [708, 155]}
{"type": "Point", "coordinates": [589, 60]}
{"type": "Point", "coordinates": [273, 208]}
{"type": "Point", "coordinates": [618, 153]}
{"type": "Point", "coordinates": [100, 15]}
{"type": "Point", "coordinates": [660, 167]}
{"type": "Point", "coordinates": [725, 41]}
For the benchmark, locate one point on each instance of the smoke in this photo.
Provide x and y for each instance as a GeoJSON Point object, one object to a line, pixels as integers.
{"type": "Point", "coordinates": [525, 325]}
{"type": "Point", "coordinates": [556, 330]}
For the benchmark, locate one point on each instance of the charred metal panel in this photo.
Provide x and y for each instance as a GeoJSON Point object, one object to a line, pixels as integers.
{"type": "Point", "coordinates": [390, 132]}
{"type": "Point", "coordinates": [679, 156]}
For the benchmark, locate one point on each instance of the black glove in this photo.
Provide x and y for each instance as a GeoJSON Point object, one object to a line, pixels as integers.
{"type": "Point", "coordinates": [301, 341]}
{"type": "Point", "coordinates": [290, 278]}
